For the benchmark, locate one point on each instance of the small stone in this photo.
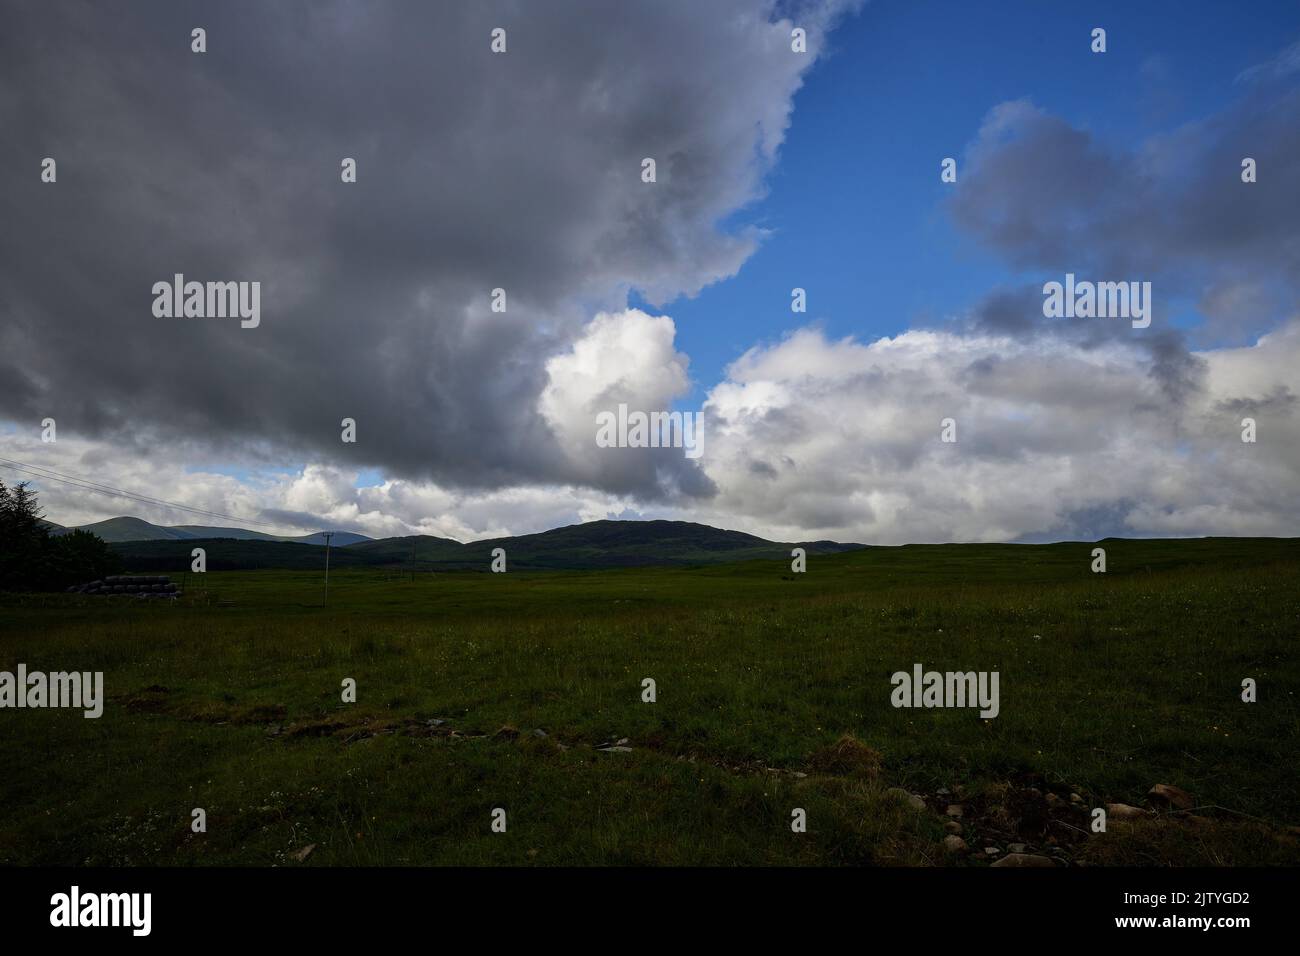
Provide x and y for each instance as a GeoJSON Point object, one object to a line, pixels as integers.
{"type": "Point", "coordinates": [954, 810]}
{"type": "Point", "coordinates": [901, 795]}
{"type": "Point", "coordinates": [1075, 798]}
{"type": "Point", "coordinates": [616, 750]}
{"type": "Point", "coordinates": [942, 791]}
{"type": "Point", "coordinates": [305, 852]}
{"type": "Point", "coordinates": [991, 851]}
{"type": "Point", "coordinates": [952, 826]}
{"type": "Point", "coordinates": [1053, 800]}
{"type": "Point", "coordinates": [1122, 811]}
{"type": "Point", "coordinates": [1018, 847]}
{"type": "Point", "coordinates": [954, 844]}
{"type": "Point", "coordinates": [1024, 859]}
{"type": "Point", "coordinates": [539, 732]}
{"type": "Point", "coordinates": [1162, 794]}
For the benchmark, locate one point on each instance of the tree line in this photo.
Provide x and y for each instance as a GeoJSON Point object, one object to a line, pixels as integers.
{"type": "Point", "coordinates": [33, 559]}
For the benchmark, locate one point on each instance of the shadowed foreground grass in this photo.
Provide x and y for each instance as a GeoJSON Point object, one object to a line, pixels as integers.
{"type": "Point", "coordinates": [773, 693]}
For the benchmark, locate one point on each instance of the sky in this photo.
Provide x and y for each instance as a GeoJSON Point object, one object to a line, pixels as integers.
{"type": "Point", "coordinates": [775, 170]}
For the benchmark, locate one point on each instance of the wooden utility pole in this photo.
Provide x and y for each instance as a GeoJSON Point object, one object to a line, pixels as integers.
{"type": "Point", "coordinates": [327, 535]}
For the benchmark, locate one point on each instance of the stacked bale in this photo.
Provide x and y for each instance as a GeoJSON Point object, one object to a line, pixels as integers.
{"type": "Point", "coordinates": [139, 586]}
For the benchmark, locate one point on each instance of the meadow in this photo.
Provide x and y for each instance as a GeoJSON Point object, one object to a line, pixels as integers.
{"type": "Point", "coordinates": [477, 691]}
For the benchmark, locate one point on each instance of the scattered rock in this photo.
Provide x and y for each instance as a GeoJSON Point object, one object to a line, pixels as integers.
{"type": "Point", "coordinates": [954, 844]}
{"type": "Point", "coordinates": [1024, 859]}
{"type": "Point", "coordinates": [1018, 848]}
{"type": "Point", "coordinates": [954, 810]}
{"type": "Point", "coordinates": [506, 733]}
{"type": "Point", "coordinates": [615, 749]}
{"type": "Point", "coordinates": [1122, 811]}
{"type": "Point", "coordinates": [901, 795]}
{"type": "Point", "coordinates": [539, 732]}
{"type": "Point", "coordinates": [991, 851]}
{"type": "Point", "coordinates": [305, 852]}
{"type": "Point", "coordinates": [1164, 795]}
{"type": "Point", "coordinates": [952, 826]}
{"type": "Point", "coordinates": [1075, 798]}
{"type": "Point", "coordinates": [1053, 800]}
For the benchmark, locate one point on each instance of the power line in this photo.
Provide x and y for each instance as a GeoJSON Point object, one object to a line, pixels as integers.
{"type": "Point", "coordinates": [85, 484]}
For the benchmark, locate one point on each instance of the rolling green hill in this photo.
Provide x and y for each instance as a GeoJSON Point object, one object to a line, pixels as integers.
{"type": "Point", "coordinates": [137, 529]}
{"type": "Point", "coordinates": [131, 529]}
{"type": "Point", "coordinates": [591, 546]}
{"type": "Point", "coordinates": [598, 544]}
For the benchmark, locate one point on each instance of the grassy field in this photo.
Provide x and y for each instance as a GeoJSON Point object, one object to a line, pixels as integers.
{"type": "Point", "coordinates": [773, 693]}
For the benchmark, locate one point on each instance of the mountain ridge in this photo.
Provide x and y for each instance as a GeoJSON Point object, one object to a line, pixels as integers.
{"type": "Point", "coordinates": [591, 545]}
{"type": "Point", "coordinates": [128, 528]}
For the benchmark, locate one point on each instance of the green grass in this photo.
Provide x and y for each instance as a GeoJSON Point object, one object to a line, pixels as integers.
{"type": "Point", "coordinates": [230, 701]}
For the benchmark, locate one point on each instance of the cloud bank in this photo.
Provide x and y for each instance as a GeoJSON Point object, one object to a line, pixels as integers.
{"type": "Point", "coordinates": [522, 172]}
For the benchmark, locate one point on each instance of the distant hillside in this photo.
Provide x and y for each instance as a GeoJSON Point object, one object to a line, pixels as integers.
{"type": "Point", "coordinates": [597, 544]}
{"type": "Point", "coordinates": [234, 554]}
{"type": "Point", "coordinates": [136, 529]}
{"type": "Point", "coordinates": [130, 529]}
{"type": "Point", "coordinates": [340, 539]}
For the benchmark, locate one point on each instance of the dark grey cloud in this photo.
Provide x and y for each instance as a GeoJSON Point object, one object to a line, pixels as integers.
{"type": "Point", "coordinates": [1018, 312]}
{"type": "Point", "coordinates": [1280, 399]}
{"type": "Point", "coordinates": [1109, 520]}
{"type": "Point", "coordinates": [476, 171]}
{"type": "Point", "coordinates": [1171, 209]}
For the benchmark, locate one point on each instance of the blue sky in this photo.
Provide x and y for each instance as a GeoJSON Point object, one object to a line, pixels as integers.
{"type": "Point", "coordinates": [855, 203]}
